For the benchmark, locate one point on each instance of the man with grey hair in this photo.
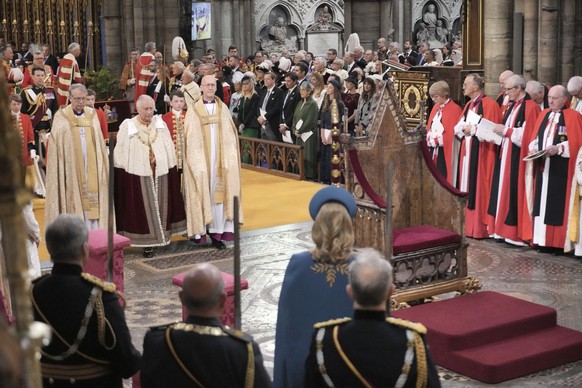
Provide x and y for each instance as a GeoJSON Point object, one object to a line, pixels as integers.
{"type": "Point", "coordinates": [359, 57]}
{"type": "Point", "coordinates": [372, 344]}
{"type": "Point", "coordinates": [575, 90]}
{"type": "Point", "coordinates": [77, 174]}
{"type": "Point", "coordinates": [176, 72]}
{"type": "Point", "coordinates": [558, 132]}
{"type": "Point", "coordinates": [143, 73]}
{"type": "Point", "coordinates": [92, 345]}
{"type": "Point", "coordinates": [68, 73]}
{"type": "Point", "coordinates": [507, 194]}
{"type": "Point", "coordinates": [537, 92]}
{"type": "Point", "coordinates": [201, 351]}
{"type": "Point", "coordinates": [149, 208]}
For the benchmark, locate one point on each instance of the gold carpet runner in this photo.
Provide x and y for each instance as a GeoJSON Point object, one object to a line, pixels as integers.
{"type": "Point", "coordinates": [267, 200]}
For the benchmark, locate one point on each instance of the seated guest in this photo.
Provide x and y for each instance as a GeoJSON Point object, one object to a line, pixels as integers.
{"type": "Point", "coordinates": [200, 351]}
{"type": "Point", "coordinates": [370, 350]}
{"type": "Point", "coordinates": [91, 345]}
{"type": "Point", "coordinates": [314, 283]}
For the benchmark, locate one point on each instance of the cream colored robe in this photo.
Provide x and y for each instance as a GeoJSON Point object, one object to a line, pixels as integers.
{"type": "Point", "coordinates": [63, 194]}
{"type": "Point", "coordinates": [195, 173]}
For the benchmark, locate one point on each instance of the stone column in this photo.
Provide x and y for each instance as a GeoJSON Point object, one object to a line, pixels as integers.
{"type": "Point", "coordinates": [497, 47]}
{"type": "Point", "coordinates": [548, 42]}
{"type": "Point", "coordinates": [111, 31]}
{"type": "Point", "coordinates": [568, 16]}
{"type": "Point", "coordinates": [530, 39]}
{"type": "Point", "coordinates": [578, 41]}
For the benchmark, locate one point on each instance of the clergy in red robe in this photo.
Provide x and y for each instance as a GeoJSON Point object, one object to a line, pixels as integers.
{"type": "Point", "coordinates": [549, 177]}
{"type": "Point", "coordinates": [143, 73]}
{"type": "Point", "coordinates": [507, 189]}
{"type": "Point", "coordinates": [149, 208]}
{"type": "Point", "coordinates": [440, 136]}
{"type": "Point", "coordinates": [476, 158]}
{"type": "Point", "coordinates": [68, 73]}
{"type": "Point", "coordinates": [174, 120]}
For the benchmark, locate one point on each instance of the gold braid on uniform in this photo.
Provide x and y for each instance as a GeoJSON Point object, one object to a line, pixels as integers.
{"type": "Point", "coordinates": [250, 376]}
{"type": "Point", "coordinates": [421, 367]}
{"type": "Point", "coordinates": [344, 357]}
{"type": "Point", "coordinates": [414, 345]}
{"type": "Point", "coordinates": [178, 360]}
{"type": "Point", "coordinates": [74, 348]}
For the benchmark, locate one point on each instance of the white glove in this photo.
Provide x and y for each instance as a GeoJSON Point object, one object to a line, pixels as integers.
{"type": "Point", "coordinates": [166, 98]}
{"type": "Point", "coordinates": [132, 81]}
{"type": "Point", "coordinates": [49, 113]}
{"type": "Point", "coordinates": [33, 154]}
{"type": "Point", "coordinates": [241, 127]}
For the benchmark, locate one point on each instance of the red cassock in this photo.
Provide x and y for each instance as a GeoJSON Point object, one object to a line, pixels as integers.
{"type": "Point", "coordinates": [25, 126]}
{"type": "Point", "coordinates": [479, 178]}
{"type": "Point", "coordinates": [509, 219]}
{"type": "Point", "coordinates": [143, 75]}
{"type": "Point", "coordinates": [555, 235]}
{"type": "Point", "coordinates": [450, 116]}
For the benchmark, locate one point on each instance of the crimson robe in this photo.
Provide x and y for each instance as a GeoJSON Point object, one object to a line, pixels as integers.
{"type": "Point", "coordinates": [27, 132]}
{"type": "Point", "coordinates": [560, 180]}
{"type": "Point", "coordinates": [68, 74]}
{"type": "Point", "coordinates": [507, 192]}
{"type": "Point", "coordinates": [450, 116]}
{"type": "Point", "coordinates": [480, 171]}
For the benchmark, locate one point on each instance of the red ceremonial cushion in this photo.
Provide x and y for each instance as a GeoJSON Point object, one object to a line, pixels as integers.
{"type": "Point", "coordinates": [98, 241]}
{"type": "Point", "coordinates": [416, 238]}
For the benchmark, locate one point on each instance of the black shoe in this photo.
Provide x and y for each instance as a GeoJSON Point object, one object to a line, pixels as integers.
{"type": "Point", "coordinates": [218, 244]}
{"type": "Point", "coordinates": [149, 252]}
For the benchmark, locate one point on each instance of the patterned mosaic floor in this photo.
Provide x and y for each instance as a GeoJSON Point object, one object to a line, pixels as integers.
{"type": "Point", "coordinates": [550, 280]}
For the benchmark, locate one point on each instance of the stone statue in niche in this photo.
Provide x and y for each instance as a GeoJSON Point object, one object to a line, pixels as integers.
{"type": "Point", "coordinates": [442, 34]}
{"type": "Point", "coordinates": [278, 37]}
{"type": "Point", "coordinates": [430, 20]}
{"type": "Point", "coordinates": [278, 31]}
{"type": "Point", "coordinates": [324, 18]}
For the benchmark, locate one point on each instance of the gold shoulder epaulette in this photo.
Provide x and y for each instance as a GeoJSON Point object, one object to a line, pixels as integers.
{"type": "Point", "coordinates": [331, 322]}
{"type": "Point", "coordinates": [418, 327]}
{"type": "Point", "coordinates": [107, 286]}
{"type": "Point", "coordinates": [241, 335]}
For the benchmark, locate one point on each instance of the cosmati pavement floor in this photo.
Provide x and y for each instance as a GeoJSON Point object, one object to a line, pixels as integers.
{"type": "Point", "coordinates": [550, 280]}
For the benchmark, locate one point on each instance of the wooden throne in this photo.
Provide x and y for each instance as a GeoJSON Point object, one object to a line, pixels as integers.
{"type": "Point", "coordinates": [423, 229]}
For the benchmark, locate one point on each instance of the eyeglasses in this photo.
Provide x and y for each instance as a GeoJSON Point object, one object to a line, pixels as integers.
{"type": "Point", "coordinates": [82, 98]}
{"type": "Point", "coordinates": [511, 88]}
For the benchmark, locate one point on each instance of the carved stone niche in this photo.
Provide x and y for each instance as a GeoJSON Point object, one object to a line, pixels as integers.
{"type": "Point", "coordinates": [437, 22]}
{"type": "Point", "coordinates": [325, 32]}
{"type": "Point", "coordinates": [280, 33]}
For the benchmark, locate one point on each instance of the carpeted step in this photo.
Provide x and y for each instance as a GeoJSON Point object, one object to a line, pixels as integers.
{"type": "Point", "coordinates": [478, 319]}
{"type": "Point", "coordinates": [493, 337]}
{"type": "Point", "coordinates": [516, 357]}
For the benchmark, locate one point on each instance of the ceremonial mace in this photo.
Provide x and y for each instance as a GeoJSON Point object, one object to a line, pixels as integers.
{"type": "Point", "coordinates": [237, 301]}
{"type": "Point", "coordinates": [335, 145]}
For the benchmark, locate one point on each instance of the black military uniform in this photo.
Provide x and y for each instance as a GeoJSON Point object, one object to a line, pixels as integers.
{"type": "Point", "coordinates": [37, 102]}
{"type": "Point", "coordinates": [370, 350]}
{"type": "Point", "coordinates": [157, 89]}
{"type": "Point", "coordinates": [201, 352]}
{"type": "Point", "coordinates": [176, 82]}
{"type": "Point", "coordinates": [69, 300]}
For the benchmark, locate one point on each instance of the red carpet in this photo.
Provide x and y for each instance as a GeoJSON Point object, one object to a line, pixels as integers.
{"type": "Point", "coordinates": [493, 337]}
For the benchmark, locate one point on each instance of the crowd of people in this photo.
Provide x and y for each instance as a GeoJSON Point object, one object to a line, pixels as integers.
{"type": "Point", "coordinates": [517, 157]}
{"type": "Point", "coordinates": [177, 167]}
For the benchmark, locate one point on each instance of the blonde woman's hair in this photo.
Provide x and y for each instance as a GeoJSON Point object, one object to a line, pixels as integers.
{"type": "Point", "coordinates": [332, 233]}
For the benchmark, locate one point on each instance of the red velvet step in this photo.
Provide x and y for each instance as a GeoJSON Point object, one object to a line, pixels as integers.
{"type": "Point", "coordinates": [493, 337]}
{"type": "Point", "coordinates": [421, 237]}
{"type": "Point", "coordinates": [519, 356]}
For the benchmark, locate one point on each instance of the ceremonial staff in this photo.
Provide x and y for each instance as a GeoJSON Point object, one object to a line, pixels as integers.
{"type": "Point", "coordinates": [237, 302]}
{"type": "Point", "coordinates": [110, 213]}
